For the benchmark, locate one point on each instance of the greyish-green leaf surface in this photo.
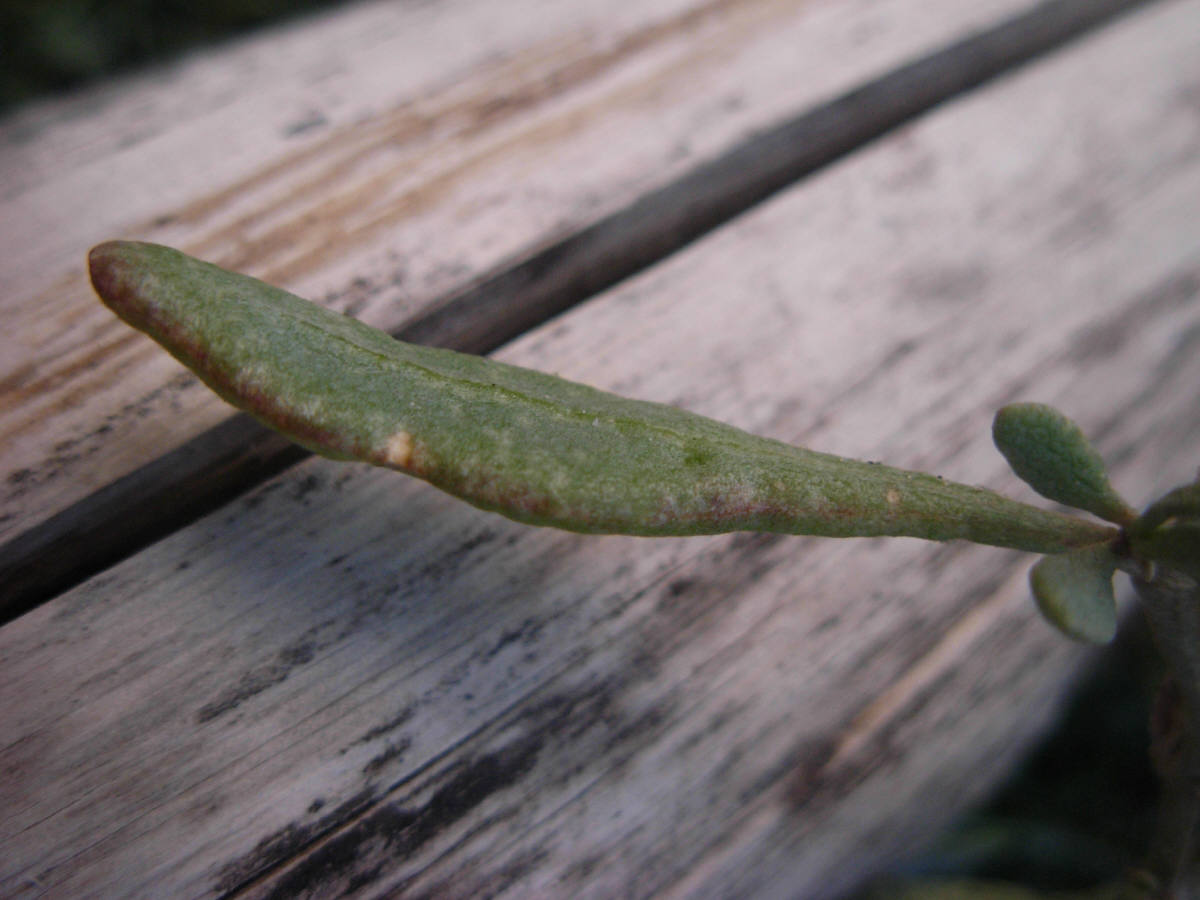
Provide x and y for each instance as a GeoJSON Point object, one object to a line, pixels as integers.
{"type": "Point", "coordinates": [531, 446]}
{"type": "Point", "coordinates": [1074, 591]}
{"type": "Point", "coordinates": [1051, 454]}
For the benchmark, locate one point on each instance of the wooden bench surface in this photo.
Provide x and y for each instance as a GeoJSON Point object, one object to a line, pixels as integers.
{"type": "Point", "coordinates": [338, 680]}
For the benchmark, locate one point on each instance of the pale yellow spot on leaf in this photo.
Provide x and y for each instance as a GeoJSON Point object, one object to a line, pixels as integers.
{"type": "Point", "coordinates": [398, 450]}
{"type": "Point", "coordinates": [893, 497]}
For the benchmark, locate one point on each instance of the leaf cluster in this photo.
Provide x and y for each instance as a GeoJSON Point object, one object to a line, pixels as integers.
{"type": "Point", "coordinates": [1074, 589]}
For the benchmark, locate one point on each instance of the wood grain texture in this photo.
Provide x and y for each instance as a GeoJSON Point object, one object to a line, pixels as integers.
{"type": "Point", "coordinates": [347, 683]}
{"type": "Point", "coordinates": [440, 141]}
{"type": "Point", "coordinates": [682, 195]}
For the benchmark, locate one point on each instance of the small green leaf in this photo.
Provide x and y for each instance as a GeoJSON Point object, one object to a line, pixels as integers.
{"type": "Point", "coordinates": [1050, 453]}
{"type": "Point", "coordinates": [1183, 503]}
{"type": "Point", "coordinates": [1074, 592]}
{"type": "Point", "coordinates": [1168, 532]}
{"type": "Point", "coordinates": [1176, 545]}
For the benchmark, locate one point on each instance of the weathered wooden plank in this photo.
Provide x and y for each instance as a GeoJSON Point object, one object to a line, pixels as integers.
{"type": "Point", "coordinates": [348, 682]}
{"type": "Point", "coordinates": [87, 403]}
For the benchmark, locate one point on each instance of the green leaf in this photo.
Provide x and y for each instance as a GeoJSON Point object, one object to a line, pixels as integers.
{"type": "Point", "coordinates": [1074, 592]}
{"type": "Point", "coordinates": [531, 446]}
{"type": "Point", "coordinates": [1176, 545]}
{"type": "Point", "coordinates": [1168, 532]}
{"type": "Point", "coordinates": [1051, 454]}
{"type": "Point", "coordinates": [1183, 503]}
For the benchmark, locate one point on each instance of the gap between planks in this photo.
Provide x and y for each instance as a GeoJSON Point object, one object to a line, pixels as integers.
{"type": "Point", "coordinates": [223, 462]}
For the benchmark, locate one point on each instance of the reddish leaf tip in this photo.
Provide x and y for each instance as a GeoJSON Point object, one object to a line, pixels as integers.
{"type": "Point", "coordinates": [108, 269]}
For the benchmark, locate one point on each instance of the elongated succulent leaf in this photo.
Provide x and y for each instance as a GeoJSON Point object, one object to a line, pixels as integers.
{"type": "Point", "coordinates": [1074, 591]}
{"type": "Point", "coordinates": [531, 446]}
{"type": "Point", "coordinates": [1051, 454]}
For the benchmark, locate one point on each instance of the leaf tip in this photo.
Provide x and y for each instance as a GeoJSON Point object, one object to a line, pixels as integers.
{"type": "Point", "coordinates": [113, 275]}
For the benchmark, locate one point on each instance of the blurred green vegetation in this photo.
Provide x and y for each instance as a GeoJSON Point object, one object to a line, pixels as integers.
{"type": "Point", "coordinates": [1077, 813]}
{"type": "Point", "coordinates": [51, 45]}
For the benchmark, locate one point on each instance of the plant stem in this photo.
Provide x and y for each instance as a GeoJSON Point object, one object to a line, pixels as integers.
{"type": "Point", "coordinates": [1171, 600]}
